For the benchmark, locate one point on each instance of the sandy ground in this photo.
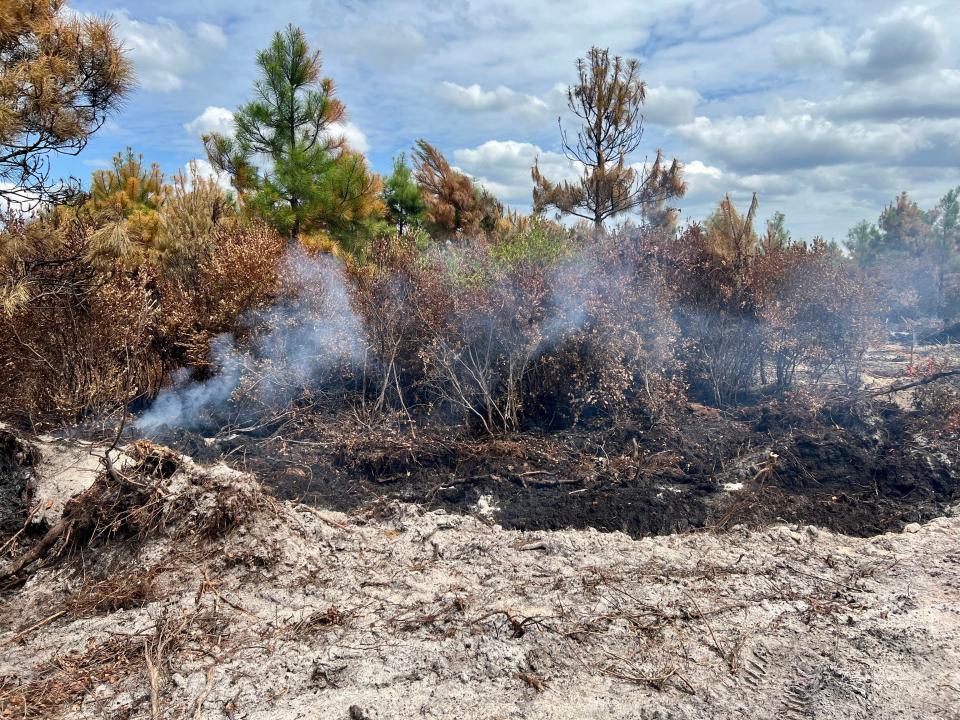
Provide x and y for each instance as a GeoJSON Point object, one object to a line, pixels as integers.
{"type": "Point", "coordinates": [292, 612]}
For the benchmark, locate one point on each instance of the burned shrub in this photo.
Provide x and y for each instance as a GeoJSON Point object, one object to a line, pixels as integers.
{"type": "Point", "coordinates": [479, 360]}
{"type": "Point", "coordinates": [239, 274]}
{"type": "Point", "coordinates": [755, 312]}
{"type": "Point", "coordinates": [17, 458]}
{"type": "Point", "coordinates": [404, 301]}
{"type": "Point", "coordinates": [937, 395]}
{"type": "Point", "coordinates": [309, 340]}
{"type": "Point", "coordinates": [74, 338]}
{"type": "Point", "coordinates": [530, 328]}
{"type": "Point", "coordinates": [609, 341]}
{"type": "Point", "coordinates": [708, 270]}
{"type": "Point", "coordinates": [84, 333]}
{"type": "Point", "coordinates": [817, 313]}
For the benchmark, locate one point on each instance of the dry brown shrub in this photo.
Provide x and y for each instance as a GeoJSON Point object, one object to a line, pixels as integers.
{"type": "Point", "coordinates": [75, 339]}
{"type": "Point", "coordinates": [239, 275]}
{"type": "Point", "coordinates": [79, 337]}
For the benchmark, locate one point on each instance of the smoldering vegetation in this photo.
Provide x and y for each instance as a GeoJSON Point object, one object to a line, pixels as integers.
{"type": "Point", "coordinates": [561, 377]}
{"type": "Point", "coordinates": [307, 337]}
{"type": "Point", "coordinates": [618, 382]}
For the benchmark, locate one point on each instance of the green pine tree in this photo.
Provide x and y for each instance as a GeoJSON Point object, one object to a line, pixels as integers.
{"type": "Point", "coordinates": [402, 197]}
{"type": "Point", "coordinates": [288, 123]}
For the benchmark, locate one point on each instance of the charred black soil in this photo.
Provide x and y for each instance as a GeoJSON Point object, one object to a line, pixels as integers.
{"type": "Point", "coordinates": [859, 468]}
{"type": "Point", "coordinates": [16, 458]}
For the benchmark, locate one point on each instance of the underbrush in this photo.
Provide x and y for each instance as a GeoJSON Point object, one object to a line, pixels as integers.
{"type": "Point", "coordinates": [528, 327]}
{"type": "Point", "coordinates": [82, 335]}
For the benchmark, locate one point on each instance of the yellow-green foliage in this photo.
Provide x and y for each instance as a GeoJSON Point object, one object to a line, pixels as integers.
{"type": "Point", "coordinates": [532, 239]}
{"type": "Point", "coordinates": [123, 204]}
{"type": "Point", "coordinates": [192, 208]}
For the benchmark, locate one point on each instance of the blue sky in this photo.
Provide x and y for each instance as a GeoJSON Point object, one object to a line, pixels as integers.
{"type": "Point", "coordinates": [826, 109]}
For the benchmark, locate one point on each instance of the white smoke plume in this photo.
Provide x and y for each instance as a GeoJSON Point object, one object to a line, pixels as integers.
{"type": "Point", "coordinates": [302, 341]}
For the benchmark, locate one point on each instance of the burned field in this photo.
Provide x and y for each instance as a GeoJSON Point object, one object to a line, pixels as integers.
{"type": "Point", "coordinates": [859, 464]}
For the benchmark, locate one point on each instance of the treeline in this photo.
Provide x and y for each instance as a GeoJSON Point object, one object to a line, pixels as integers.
{"type": "Point", "coordinates": [465, 313]}
{"type": "Point", "coordinates": [914, 256]}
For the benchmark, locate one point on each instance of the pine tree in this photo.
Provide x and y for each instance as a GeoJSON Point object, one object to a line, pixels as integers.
{"type": "Point", "coordinates": [607, 99]}
{"type": "Point", "coordinates": [454, 203]}
{"type": "Point", "coordinates": [402, 197]}
{"type": "Point", "coordinates": [289, 123]}
{"type": "Point", "coordinates": [60, 78]}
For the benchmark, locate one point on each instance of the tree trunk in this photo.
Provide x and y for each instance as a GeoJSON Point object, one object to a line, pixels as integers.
{"type": "Point", "coordinates": [295, 229]}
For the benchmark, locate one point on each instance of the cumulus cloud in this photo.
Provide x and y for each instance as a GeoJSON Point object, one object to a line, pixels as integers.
{"type": "Point", "coordinates": [503, 167]}
{"type": "Point", "coordinates": [474, 98]}
{"type": "Point", "coordinates": [162, 52]}
{"type": "Point", "coordinates": [706, 184]}
{"type": "Point", "coordinates": [933, 95]}
{"type": "Point", "coordinates": [670, 106]}
{"type": "Point", "coordinates": [795, 141]}
{"type": "Point", "coordinates": [354, 136]}
{"type": "Point", "coordinates": [819, 48]}
{"type": "Point", "coordinates": [212, 119]}
{"type": "Point", "coordinates": [901, 45]}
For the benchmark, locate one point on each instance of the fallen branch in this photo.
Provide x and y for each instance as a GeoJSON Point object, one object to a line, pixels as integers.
{"type": "Point", "coordinates": [37, 552]}
{"type": "Point", "coordinates": [916, 383]}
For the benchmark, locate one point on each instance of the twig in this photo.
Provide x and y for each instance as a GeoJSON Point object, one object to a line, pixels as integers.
{"type": "Point", "coordinates": [716, 643]}
{"type": "Point", "coordinates": [198, 712]}
{"type": "Point", "coordinates": [322, 517]}
{"type": "Point", "coordinates": [18, 533]}
{"type": "Point", "coordinates": [36, 552]}
{"type": "Point", "coordinates": [154, 683]}
{"type": "Point", "coordinates": [23, 633]}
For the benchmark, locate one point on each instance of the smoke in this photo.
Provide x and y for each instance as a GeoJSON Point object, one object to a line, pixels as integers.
{"type": "Point", "coordinates": [306, 340]}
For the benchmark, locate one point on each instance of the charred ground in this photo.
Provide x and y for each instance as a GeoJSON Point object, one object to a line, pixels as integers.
{"type": "Point", "coordinates": [859, 464]}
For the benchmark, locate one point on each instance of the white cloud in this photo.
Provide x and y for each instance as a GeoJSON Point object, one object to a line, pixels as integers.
{"type": "Point", "coordinates": [204, 169]}
{"type": "Point", "coordinates": [385, 47]}
{"type": "Point", "coordinates": [819, 48]}
{"type": "Point", "coordinates": [352, 134]}
{"type": "Point", "coordinates": [902, 44]}
{"type": "Point", "coordinates": [212, 119]}
{"type": "Point", "coordinates": [220, 120]}
{"type": "Point", "coordinates": [706, 184]}
{"type": "Point", "coordinates": [162, 52]}
{"type": "Point", "coordinates": [669, 106]}
{"type": "Point", "coordinates": [474, 98]}
{"type": "Point", "coordinates": [212, 34]}
{"type": "Point", "coordinates": [797, 140]}
{"type": "Point", "coordinates": [503, 167]}
{"type": "Point", "coordinates": [933, 95]}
